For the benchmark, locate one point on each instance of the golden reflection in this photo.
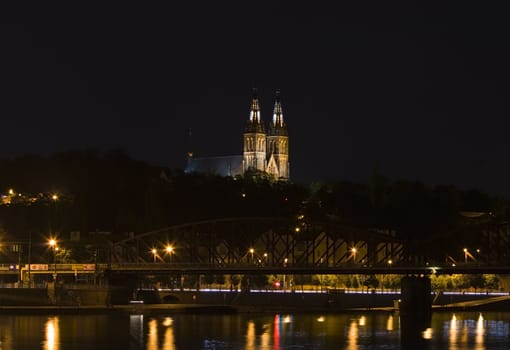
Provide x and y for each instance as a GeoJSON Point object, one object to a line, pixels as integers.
{"type": "Point", "coordinates": [52, 341]}
{"type": "Point", "coordinates": [427, 334]}
{"type": "Point", "coordinates": [352, 336]}
{"type": "Point", "coordinates": [169, 341]}
{"type": "Point", "coordinates": [168, 322]}
{"type": "Point", "coordinates": [465, 334]}
{"type": "Point", "coordinates": [152, 336]}
{"type": "Point", "coordinates": [362, 321]}
{"type": "Point", "coordinates": [250, 336]}
{"type": "Point", "coordinates": [453, 333]}
{"type": "Point", "coordinates": [389, 323]}
{"type": "Point", "coordinates": [480, 332]}
{"type": "Point", "coordinates": [265, 339]}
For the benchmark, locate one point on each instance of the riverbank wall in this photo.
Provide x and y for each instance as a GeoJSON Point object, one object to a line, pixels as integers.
{"type": "Point", "coordinates": [289, 301]}
{"type": "Point", "coordinates": [247, 301]}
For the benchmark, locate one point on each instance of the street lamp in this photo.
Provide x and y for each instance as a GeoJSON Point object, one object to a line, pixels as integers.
{"type": "Point", "coordinates": [154, 253]}
{"type": "Point", "coordinates": [251, 252]}
{"type": "Point", "coordinates": [169, 250]}
{"type": "Point", "coordinates": [465, 255]}
{"type": "Point", "coordinates": [354, 251]}
{"type": "Point", "coordinates": [53, 245]}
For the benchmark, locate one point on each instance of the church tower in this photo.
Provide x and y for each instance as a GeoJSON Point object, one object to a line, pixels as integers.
{"type": "Point", "coordinates": [254, 150]}
{"type": "Point", "coordinates": [278, 144]}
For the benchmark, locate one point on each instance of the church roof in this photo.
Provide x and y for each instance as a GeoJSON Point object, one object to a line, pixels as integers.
{"type": "Point", "coordinates": [222, 166]}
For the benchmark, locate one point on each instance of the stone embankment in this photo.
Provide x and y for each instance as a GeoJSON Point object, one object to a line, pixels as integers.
{"type": "Point", "coordinates": [103, 298]}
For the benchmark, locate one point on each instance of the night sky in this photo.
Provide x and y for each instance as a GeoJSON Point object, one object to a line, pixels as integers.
{"type": "Point", "coordinates": [421, 93]}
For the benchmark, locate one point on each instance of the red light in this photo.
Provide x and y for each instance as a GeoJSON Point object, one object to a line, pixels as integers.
{"type": "Point", "coordinates": [277, 284]}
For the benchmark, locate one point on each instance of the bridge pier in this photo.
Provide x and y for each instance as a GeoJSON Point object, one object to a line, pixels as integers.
{"type": "Point", "coordinates": [416, 295]}
{"type": "Point", "coordinates": [121, 288]}
{"type": "Point", "coordinates": [415, 309]}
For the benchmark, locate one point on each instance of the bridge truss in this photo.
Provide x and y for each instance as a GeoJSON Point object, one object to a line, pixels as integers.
{"type": "Point", "coordinates": [262, 242]}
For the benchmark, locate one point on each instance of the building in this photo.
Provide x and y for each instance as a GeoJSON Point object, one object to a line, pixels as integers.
{"type": "Point", "coordinates": [266, 152]}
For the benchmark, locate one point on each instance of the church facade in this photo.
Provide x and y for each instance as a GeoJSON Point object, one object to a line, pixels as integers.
{"type": "Point", "coordinates": [263, 151]}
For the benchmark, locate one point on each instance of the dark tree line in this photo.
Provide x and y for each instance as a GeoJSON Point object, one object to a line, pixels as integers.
{"type": "Point", "coordinates": [109, 191]}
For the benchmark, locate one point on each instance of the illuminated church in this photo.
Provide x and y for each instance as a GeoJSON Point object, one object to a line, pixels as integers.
{"type": "Point", "coordinates": [263, 151]}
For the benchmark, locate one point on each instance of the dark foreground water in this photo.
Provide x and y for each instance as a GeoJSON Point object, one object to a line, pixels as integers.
{"type": "Point", "coordinates": [247, 331]}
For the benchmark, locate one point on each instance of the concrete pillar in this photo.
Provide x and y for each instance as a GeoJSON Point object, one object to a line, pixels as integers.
{"type": "Point", "coordinates": [416, 295]}
{"type": "Point", "coordinates": [415, 310]}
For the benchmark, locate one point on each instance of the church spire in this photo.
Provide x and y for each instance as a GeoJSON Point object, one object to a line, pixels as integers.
{"type": "Point", "coordinates": [255, 109]}
{"type": "Point", "coordinates": [278, 143]}
{"type": "Point", "coordinates": [277, 112]}
{"type": "Point", "coordinates": [277, 127]}
{"type": "Point", "coordinates": [254, 123]}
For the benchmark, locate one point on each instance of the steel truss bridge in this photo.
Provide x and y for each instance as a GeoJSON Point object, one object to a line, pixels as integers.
{"type": "Point", "coordinates": [262, 245]}
{"type": "Point", "coordinates": [260, 242]}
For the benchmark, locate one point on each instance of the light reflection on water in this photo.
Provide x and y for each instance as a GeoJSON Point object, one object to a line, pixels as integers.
{"type": "Point", "coordinates": [474, 331]}
{"type": "Point", "coordinates": [52, 341]}
{"type": "Point", "coordinates": [479, 331]}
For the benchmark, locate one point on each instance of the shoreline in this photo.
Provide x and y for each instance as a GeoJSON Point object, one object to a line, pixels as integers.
{"type": "Point", "coordinates": [98, 301]}
{"type": "Point", "coordinates": [158, 309]}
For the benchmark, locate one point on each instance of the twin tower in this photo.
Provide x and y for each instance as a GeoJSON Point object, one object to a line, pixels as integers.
{"type": "Point", "coordinates": [266, 151]}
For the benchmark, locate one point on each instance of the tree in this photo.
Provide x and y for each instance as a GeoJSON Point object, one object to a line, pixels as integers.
{"type": "Point", "coordinates": [491, 281]}
{"type": "Point", "coordinates": [371, 282]}
{"type": "Point", "coordinates": [234, 281]}
{"type": "Point", "coordinates": [355, 282]}
{"type": "Point", "coordinates": [209, 279]}
{"type": "Point", "coordinates": [302, 280]}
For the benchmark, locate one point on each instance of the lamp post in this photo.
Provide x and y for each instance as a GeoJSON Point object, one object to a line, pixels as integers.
{"type": "Point", "coordinates": [54, 224]}
{"type": "Point", "coordinates": [284, 275]}
{"type": "Point", "coordinates": [465, 255]}
{"type": "Point", "coordinates": [154, 254]}
{"type": "Point", "coordinates": [251, 252]}
{"type": "Point", "coordinates": [53, 245]}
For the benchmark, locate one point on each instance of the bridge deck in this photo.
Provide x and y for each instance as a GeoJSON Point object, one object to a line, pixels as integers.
{"type": "Point", "coordinates": [169, 268]}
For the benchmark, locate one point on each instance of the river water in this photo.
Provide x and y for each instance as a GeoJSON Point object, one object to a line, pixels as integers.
{"type": "Point", "coordinates": [252, 331]}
